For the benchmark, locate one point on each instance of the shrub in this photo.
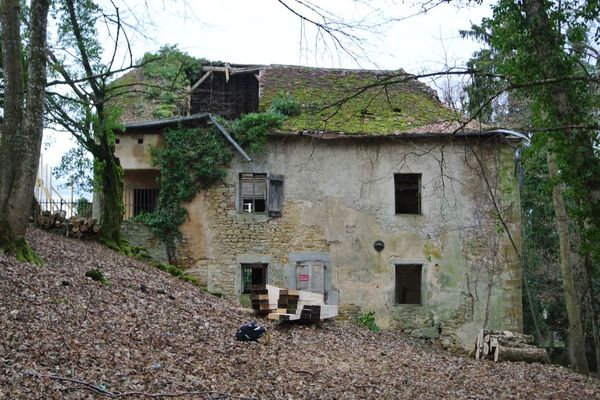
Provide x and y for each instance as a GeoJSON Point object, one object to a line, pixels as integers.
{"type": "Point", "coordinates": [286, 105]}
{"type": "Point", "coordinates": [368, 320]}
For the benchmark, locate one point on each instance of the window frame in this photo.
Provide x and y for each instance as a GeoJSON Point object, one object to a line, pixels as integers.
{"type": "Point", "coordinates": [264, 271]}
{"type": "Point", "coordinates": [151, 200]}
{"type": "Point", "coordinates": [254, 197]}
{"type": "Point", "coordinates": [398, 191]}
{"type": "Point", "coordinates": [397, 286]}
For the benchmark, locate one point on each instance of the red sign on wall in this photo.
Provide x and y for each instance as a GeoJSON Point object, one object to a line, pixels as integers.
{"type": "Point", "coordinates": [303, 278]}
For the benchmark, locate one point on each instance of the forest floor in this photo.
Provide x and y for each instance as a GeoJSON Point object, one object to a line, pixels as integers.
{"type": "Point", "coordinates": [146, 334]}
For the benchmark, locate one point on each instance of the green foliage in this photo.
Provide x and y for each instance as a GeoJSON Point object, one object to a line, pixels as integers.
{"type": "Point", "coordinates": [75, 168]}
{"type": "Point", "coordinates": [194, 159]}
{"type": "Point", "coordinates": [286, 105]}
{"type": "Point", "coordinates": [368, 321]}
{"type": "Point", "coordinates": [171, 64]}
{"type": "Point", "coordinates": [96, 275]}
{"type": "Point", "coordinates": [250, 130]}
{"type": "Point", "coordinates": [83, 208]}
{"type": "Point", "coordinates": [537, 51]}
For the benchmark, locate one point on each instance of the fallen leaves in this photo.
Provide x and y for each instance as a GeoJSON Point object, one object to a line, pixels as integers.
{"type": "Point", "coordinates": [146, 334]}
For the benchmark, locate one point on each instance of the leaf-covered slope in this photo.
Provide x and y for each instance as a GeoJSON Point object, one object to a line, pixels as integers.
{"type": "Point", "coordinates": [65, 336]}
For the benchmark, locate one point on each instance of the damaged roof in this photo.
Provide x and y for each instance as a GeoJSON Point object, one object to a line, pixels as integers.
{"type": "Point", "coordinates": [354, 101]}
{"type": "Point", "coordinates": [340, 101]}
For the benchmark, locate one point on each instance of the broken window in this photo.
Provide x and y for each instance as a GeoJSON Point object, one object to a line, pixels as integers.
{"type": "Point", "coordinates": [408, 283]}
{"type": "Point", "coordinates": [407, 189]}
{"type": "Point", "coordinates": [253, 193]}
{"type": "Point", "coordinates": [144, 200]}
{"type": "Point", "coordinates": [253, 274]}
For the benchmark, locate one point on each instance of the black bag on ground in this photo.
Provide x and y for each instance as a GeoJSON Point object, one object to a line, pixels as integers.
{"type": "Point", "coordinates": [250, 332]}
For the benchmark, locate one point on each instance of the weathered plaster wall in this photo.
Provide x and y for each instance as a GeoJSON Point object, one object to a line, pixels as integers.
{"type": "Point", "coordinates": [339, 199]}
{"type": "Point", "coordinates": [134, 155]}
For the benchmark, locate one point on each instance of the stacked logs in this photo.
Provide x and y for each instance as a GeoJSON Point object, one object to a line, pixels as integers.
{"type": "Point", "coordinates": [507, 346]}
{"type": "Point", "coordinates": [74, 226]}
{"type": "Point", "coordinates": [79, 226]}
{"type": "Point", "coordinates": [48, 220]}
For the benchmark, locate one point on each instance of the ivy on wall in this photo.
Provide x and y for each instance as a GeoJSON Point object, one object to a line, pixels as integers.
{"type": "Point", "coordinates": [197, 158]}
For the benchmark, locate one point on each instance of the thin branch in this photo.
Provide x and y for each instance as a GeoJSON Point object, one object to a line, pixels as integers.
{"type": "Point", "coordinates": [114, 395]}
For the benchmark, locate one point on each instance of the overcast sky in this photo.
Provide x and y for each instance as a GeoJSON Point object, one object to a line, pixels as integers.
{"type": "Point", "coordinates": [265, 32]}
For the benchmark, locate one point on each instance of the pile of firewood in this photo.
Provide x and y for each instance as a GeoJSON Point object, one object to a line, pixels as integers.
{"type": "Point", "coordinates": [74, 226]}
{"type": "Point", "coordinates": [289, 304]}
{"type": "Point", "coordinates": [507, 346]}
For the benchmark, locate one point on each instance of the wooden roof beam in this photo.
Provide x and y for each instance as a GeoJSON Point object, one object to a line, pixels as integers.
{"type": "Point", "coordinates": [206, 75]}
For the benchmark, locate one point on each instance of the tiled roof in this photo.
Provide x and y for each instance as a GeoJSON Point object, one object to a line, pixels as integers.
{"type": "Point", "coordinates": [342, 101]}
{"type": "Point", "coordinates": [354, 101]}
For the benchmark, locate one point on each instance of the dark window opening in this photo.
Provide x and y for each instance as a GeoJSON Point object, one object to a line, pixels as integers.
{"type": "Point", "coordinates": [253, 275]}
{"type": "Point", "coordinates": [144, 200]}
{"type": "Point", "coordinates": [408, 284]}
{"type": "Point", "coordinates": [407, 188]}
{"type": "Point", "coordinates": [253, 193]}
{"type": "Point", "coordinates": [117, 140]}
{"type": "Point", "coordinates": [140, 140]}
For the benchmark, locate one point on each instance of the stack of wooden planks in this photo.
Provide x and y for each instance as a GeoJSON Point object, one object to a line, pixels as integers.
{"type": "Point", "coordinates": [282, 304]}
{"type": "Point", "coordinates": [507, 346]}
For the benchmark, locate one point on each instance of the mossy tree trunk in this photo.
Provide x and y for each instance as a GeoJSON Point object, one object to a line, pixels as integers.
{"type": "Point", "coordinates": [22, 130]}
{"type": "Point", "coordinates": [112, 196]}
{"type": "Point", "coordinates": [93, 127]}
{"type": "Point", "coordinates": [576, 346]}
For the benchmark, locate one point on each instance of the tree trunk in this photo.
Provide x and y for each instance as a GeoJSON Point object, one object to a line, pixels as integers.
{"type": "Point", "coordinates": [577, 357]}
{"type": "Point", "coordinates": [112, 200]}
{"type": "Point", "coordinates": [22, 131]}
{"type": "Point", "coordinates": [528, 354]}
{"type": "Point", "coordinates": [13, 108]}
{"type": "Point", "coordinates": [593, 310]}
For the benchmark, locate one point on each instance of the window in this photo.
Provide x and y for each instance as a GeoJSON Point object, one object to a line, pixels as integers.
{"type": "Point", "coordinates": [408, 284]}
{"type": "Point", "coordinates": [253, 193]}
{"type": "Point", "coordinates": [144, 200]}
{"type": "Point", "coordinates": [141, 140]}
{"type": "Point", "coordinates": [253, 274]}
{"type": "Point", "coordinates": [408, 193]}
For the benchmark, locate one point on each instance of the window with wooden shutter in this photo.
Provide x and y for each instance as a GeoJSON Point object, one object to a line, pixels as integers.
{"type": "Point", "coordinates": [275, 195]}
{"type": "Point", "coordinates": [253, 193]}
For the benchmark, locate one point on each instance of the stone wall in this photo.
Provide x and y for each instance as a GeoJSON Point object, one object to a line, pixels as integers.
{"type": "Point", "coordinates": [138, 234]}
{"type": "Point", "coordinates": [339, 200]}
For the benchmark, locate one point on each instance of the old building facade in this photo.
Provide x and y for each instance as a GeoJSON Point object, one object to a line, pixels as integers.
{"type": "Point", "coordinates": [420, 226]}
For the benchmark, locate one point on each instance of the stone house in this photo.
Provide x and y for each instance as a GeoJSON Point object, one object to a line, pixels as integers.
{"type": "Point", "coordinates": [383, 202]}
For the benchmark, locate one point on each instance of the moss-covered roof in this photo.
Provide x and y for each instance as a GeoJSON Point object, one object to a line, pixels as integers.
{"type": "Point", "coordinates": [143, 97]}
{"type": "Point", "coordinates": [330, 101]}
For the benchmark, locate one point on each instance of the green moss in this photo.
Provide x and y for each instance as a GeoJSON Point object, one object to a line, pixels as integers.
{"type": "Point", "coordinates": [97, 276]}
{"type": "Point", "coordinates": [17, 247]}
{"type": "Point", "coordinates": [178, 273]}
{"type": "Point", "coordinates": [399, 107]}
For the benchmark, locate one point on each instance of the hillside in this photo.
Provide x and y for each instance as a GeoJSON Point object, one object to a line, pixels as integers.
{"type": "Point", "coordinates": [149, 335]}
